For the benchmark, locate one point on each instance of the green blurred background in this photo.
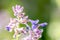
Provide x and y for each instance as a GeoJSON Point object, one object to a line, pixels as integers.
{"type": "Point", "coordinates": [44, 10]}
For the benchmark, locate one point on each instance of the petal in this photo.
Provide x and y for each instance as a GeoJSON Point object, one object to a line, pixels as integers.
{"type": "Point", "coordinates": [17, 9]}
{"type": "Point", "coordinates": [34, 21]}
{"type": "Point", "coordinates": [8, 28]}
{"type": "Point", "coordinates": [43, 24]}
{"type": "Point", "coordinates": [34, 26]}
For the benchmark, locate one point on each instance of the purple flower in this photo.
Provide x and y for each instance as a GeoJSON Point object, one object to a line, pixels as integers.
{"type": "Point", "coordinates": [38, 33]}
{"type": "Point", "coordinates": [17, 9]}
{"type": "Point", "coordinates": [34, 21]}
{"type": "Point", "coordinates": [8, 28]}
{"type": "Point", "coordinates": [31, 33]}
{"type": "Point", "coordinates": [43, 24]}
{"type": "Point", "coordinates": [34, 24]}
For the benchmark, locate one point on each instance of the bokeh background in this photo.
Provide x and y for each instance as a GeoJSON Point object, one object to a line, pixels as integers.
{"type": "Point", "coordinates": [44, 10]}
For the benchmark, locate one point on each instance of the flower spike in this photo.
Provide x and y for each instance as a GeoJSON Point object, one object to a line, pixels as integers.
{"type": "Point", "coordinates": [28, 33]}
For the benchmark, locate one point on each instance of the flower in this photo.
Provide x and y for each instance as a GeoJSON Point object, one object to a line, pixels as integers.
{"type": "Point", "coordinates": [24, 20]}
{"type": "Point", "coordinates": [28, 33]}
{"type": "Point", "coordinates": [34, 21]}
{"type": "Point", "coordinates": [13, 24]}
{"type": "Point", "coordinates": [8, 28]}
{"type": "Point", "coordinates": [36, 25]}
{"type": "Point", "coordinates": [21, 15]}
{"type": "Point", "coordinates": [17, 9]}
{"type": "Point", "coordinates": [43, 24]}
{"type": "Point", "coordinates": [18, 31]}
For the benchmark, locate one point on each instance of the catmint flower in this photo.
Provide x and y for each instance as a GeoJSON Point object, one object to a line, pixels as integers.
{"type": "Point", "coordinates": [21, 15]}
{"type": "Point", "coordinates": [34, 21]}
{"type": "Point", "coordinates": [28, 33]}
{"type": "Point", "coordinates": [36, 25]}
{"type": "Point", "coordinates": [38, 33]}
{"type": "Point", "coordinates": [24, 20]}
{"type": "Point", "coordinates": [8, 28]}
{"type": "Point", "coordinates": [43, 24]}
{"type": "Point", "coordinates": [13, 23]}
{"type": "Point", "coordinates": [19, 31]}
{"type": "Point", "coordinates": [17, 9]}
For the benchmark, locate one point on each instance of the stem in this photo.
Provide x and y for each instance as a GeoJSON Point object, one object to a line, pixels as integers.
{"type": "Point", "coordinates": [28, 26]}
{"type": "Point", "coordinates": [15, 38]}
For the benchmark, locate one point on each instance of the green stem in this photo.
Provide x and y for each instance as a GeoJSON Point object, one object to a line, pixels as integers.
{"type": "Point", "coordinates": [16, 38]}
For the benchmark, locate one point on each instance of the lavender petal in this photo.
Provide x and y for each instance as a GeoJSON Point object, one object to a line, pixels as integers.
{"type": "Point", "coordinates": [8, 28]}
{"type": "Point", "coordinates": [43, 24]}
{"type": "Point", "coordinates": [34, 21]}
{"type": "Point", "coordinates": [34, 26]}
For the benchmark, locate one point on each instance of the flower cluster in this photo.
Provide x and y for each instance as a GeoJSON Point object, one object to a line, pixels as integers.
{"type": "Point", "coordinates": [29, 33]}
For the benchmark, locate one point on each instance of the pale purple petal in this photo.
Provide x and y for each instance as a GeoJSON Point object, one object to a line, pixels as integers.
{"type": "Point", "coordinates": [34, 26]}
{"type": "Point", "coordinates": [8, 28]}
{"type": "Point", "coordinates": [17, 9]}
{"type": "Point", "coordinates": [43, 24]}
{"type": "Point", "coordinates": [34, 21]}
